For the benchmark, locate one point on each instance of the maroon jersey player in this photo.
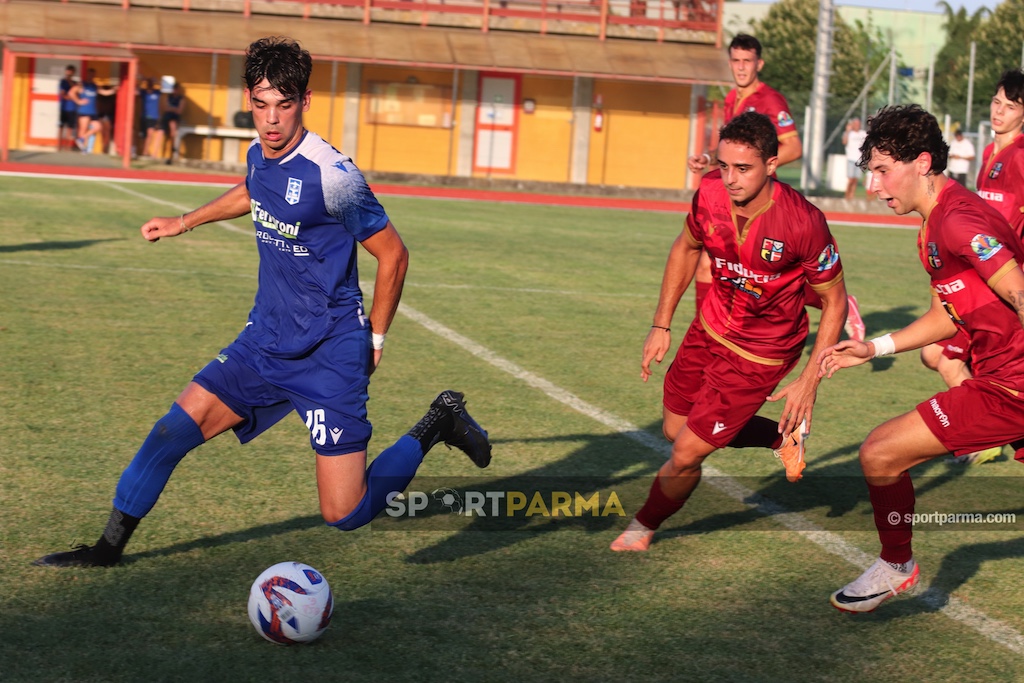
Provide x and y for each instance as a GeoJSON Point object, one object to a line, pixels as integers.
{"type": "Point", "coordinates": [766, 242]}
{"type": "Point", "coordinates": [752, 94]}
{"type": "Point", "coordinates": [1001, 184]}
{"type": "Point", "coordinates": [973, 257]}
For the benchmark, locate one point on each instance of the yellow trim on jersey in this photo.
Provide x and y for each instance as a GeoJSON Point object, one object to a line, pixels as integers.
{"type": "Point", "coordinates": [741, 237]}
{"type": "Point", "coordinates": [787, 135]}
{"type": "Point", "coordinates": [742, 353]}
{"type": "Point", "coordinates": [1006, 268]}
{"type": "Point", "coordinates": [825, 286]}
{"type": "Point", "coordinates": [689, 236]}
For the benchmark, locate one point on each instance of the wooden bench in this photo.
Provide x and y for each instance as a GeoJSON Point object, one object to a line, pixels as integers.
{"type": "Point", "coordinates": [213, 132]}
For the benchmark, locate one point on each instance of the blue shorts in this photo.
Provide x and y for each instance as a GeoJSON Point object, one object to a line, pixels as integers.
{"type": "Point", "coordinates": [327, 387]}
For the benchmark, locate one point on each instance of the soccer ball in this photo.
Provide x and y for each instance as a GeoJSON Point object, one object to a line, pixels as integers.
{"type": "Point", "coordinates": [290, 603]}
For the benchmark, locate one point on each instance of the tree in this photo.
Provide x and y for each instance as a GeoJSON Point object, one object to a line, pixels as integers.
{"type": "Point", "coordinates": [998, 43]}
{"type": "Point", "coordinates": [787, 33]}
{"type": "Point", "coordinates": [952, 63]}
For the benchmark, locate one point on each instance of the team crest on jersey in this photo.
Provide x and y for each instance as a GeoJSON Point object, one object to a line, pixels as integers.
{"type": "Point", "coordinates": [985, 246]}
{"type": "Point", "coordinates": [828, 258]}
{"type": "Point", "coordinates": [771, 250]}
{"type": "Point", "coordinates": [294, 191]}
{"type": "Point", "coordinates": [785, 119]}
{"type": "Point", "coordinates": [997, 168]}
{"type": "Point", "coordinates": [933, 256]}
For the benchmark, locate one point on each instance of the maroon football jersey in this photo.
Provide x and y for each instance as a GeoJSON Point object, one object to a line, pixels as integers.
{"type": "Point", "coordinates": [1001, 181]}
{"type": "Point", "coordinates": [756, 302]}
{"type": "Point", "coordinates": [966, 246]}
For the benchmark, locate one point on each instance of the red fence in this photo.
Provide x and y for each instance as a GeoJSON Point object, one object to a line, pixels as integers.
{"type": "Point", "coordinates": [632, 18]}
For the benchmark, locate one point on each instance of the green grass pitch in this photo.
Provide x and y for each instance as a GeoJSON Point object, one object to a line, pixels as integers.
{"type": "Point", "coordinates": [100, 330]}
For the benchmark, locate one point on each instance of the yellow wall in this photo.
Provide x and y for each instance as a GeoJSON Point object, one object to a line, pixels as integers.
{"type": "Point", "coordinates": [645, 137]}
{"type": "Point", "coordinates": [400, 148]}
{"type": "Point", "coordinates": [19, 103]}
{"type": "Point", "coordinates": [643, 143]}
{"type": "Point", "coordinates": [320, 119]}
{"type": "Point", "coordinates": [544, 143]}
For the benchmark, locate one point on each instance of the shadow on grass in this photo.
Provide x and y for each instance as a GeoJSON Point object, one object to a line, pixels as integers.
{"type": "Point", "coordinates": [54, 246]}
{"type": "Point", "coordinates": [252, 533]}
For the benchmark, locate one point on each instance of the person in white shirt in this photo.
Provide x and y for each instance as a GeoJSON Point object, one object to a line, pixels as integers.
{"type": "Point", "coordinates": [853, 138]}
{"type": "Point", "coordinates": [961, 154]}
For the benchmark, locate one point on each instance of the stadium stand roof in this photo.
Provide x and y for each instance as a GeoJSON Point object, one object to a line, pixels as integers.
{"type": "Point", "coordinates": [111, 27]}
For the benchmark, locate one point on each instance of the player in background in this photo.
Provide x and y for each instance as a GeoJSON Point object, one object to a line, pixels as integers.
{"type": "Point", "coordinates": [853, 138]}
{"type": "Point", "coordinates": [973, 257]}
{"type": "Point", "coordinates": [752, 94]}
{"type": "Point", "coordinates": [1001, 184]}
{"type": "Point", "coordinates": [85, 95]}
{"type": "Point", "coordinates": [308, 346]}
{"type": "Point", "coordinates": [766, 242]}
{"type": "Point", "coordinates": [68, 126]}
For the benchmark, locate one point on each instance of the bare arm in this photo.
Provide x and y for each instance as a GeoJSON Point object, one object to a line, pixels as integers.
{"type": "Point", "coordinates": [679, 270]}
{"type": "Point", "coordinates": [392, 263]}
{"type": "Point", "coordinates": [790, 149]}
{"type": "Point", "coordinates": [801, 393]}
{"type": "Point", "coordinates": [932, 327]}
{"type": "Point", "coordinates": [231, 204]}
{"type": "Point", "coordinates": [1010, 288]}
{"type": "Point", "coordinates": [75, 95]}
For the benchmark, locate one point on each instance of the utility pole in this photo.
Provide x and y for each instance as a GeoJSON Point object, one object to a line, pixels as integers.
{"type": "Point", "coordinates": [819, 92]}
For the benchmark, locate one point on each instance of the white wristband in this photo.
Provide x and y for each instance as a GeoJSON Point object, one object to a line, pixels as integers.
{"type": "Point", "coordinates": [378, 341]}
{"type": "Point", "coordinates": [707, 156]}
{"type": "Point", "coordinates": [884, 345]}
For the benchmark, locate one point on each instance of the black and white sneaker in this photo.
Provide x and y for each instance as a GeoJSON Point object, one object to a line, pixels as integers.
{"type": "Point", "coordinates": [448, 421]}
{"type": "Point", "coordinates": [81, 556]}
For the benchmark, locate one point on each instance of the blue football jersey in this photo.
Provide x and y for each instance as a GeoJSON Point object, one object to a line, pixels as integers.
{"type": "Point", "coordinates": [309, 208]}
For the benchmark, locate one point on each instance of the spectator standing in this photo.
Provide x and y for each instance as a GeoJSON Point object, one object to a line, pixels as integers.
{"type": "Point", "coordinates": [961, 154]}
{"type": "Point", "coordinates": [853, 138]}
{"type": "Point", "coordinates": [68, 126]}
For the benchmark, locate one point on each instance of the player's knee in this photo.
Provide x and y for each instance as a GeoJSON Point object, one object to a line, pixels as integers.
{"type": "Point", "coordinates": [930, 356]}
{"type": "Point", "coordinates": [877, 455]}
{"type": "Point", "coordinates": [670, 435]}
{"type": "Point", "coordinates": [684, 462]}
{"type": "Point", "coordinates": [338, 516]}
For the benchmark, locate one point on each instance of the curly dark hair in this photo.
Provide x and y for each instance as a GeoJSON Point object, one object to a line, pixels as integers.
{"type": "Point", "coordinates": [743, 41]}
{"type": "Point", "coordinates": [282, 61]}
{"type": "Point", "coordinates": [754, 130]}
{"type": "Point", "coordinates": [903, 132]}
{"type": "Point", "coordinates": [1012, 83]}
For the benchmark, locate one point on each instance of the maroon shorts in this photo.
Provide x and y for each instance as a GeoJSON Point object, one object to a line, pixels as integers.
{"type": "Point", "coordinates": [974, 416]}
{"type": "Point", "coordinates": [957, 347]}
{"type": "Point", "coordinates": [716, 389]}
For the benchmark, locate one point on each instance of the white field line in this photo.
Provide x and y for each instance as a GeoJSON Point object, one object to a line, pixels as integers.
{"type": "Point", "coordinates": [178, 208]}
{"type": "Point", "coordinates": [950, 606]}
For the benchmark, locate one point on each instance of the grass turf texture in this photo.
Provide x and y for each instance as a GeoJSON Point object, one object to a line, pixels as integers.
{"type": "Point", "coordinates": [100, 330]}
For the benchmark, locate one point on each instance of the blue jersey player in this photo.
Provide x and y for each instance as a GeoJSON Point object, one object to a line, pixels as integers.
{"type": "Point", "coordinates": [308, 345]}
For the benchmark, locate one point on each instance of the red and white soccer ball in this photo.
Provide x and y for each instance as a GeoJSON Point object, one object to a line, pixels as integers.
{"type": "Point", "coordinates": [290, 603]}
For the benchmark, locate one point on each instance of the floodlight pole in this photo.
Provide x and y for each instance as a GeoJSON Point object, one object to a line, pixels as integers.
{"type": "Point", "coordinates": [819, 92]}
{"type": "Point", "coordinates": [970, 89]}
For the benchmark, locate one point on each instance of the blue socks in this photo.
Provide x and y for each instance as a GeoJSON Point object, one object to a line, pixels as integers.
{"type": "Point", "coordinates": [176, 433]}
{"type": "Point", "coordinates": [390, 472]}
{"type": "Point", "coordinates": [172, 437]}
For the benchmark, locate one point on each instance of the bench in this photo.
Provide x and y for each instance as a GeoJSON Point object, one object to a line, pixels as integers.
{"type": "Point", "coordinates": [211, 131]}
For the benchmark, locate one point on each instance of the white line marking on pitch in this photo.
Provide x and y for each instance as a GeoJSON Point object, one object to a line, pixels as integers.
{"type": "Point", "coordinates": [950, 606]}
{"type": "Point", "coordinates": [178, 208]}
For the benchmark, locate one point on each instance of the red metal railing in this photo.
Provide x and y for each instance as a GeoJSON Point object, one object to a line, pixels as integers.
{"type": "Point", "coordinates": [636, 18]}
